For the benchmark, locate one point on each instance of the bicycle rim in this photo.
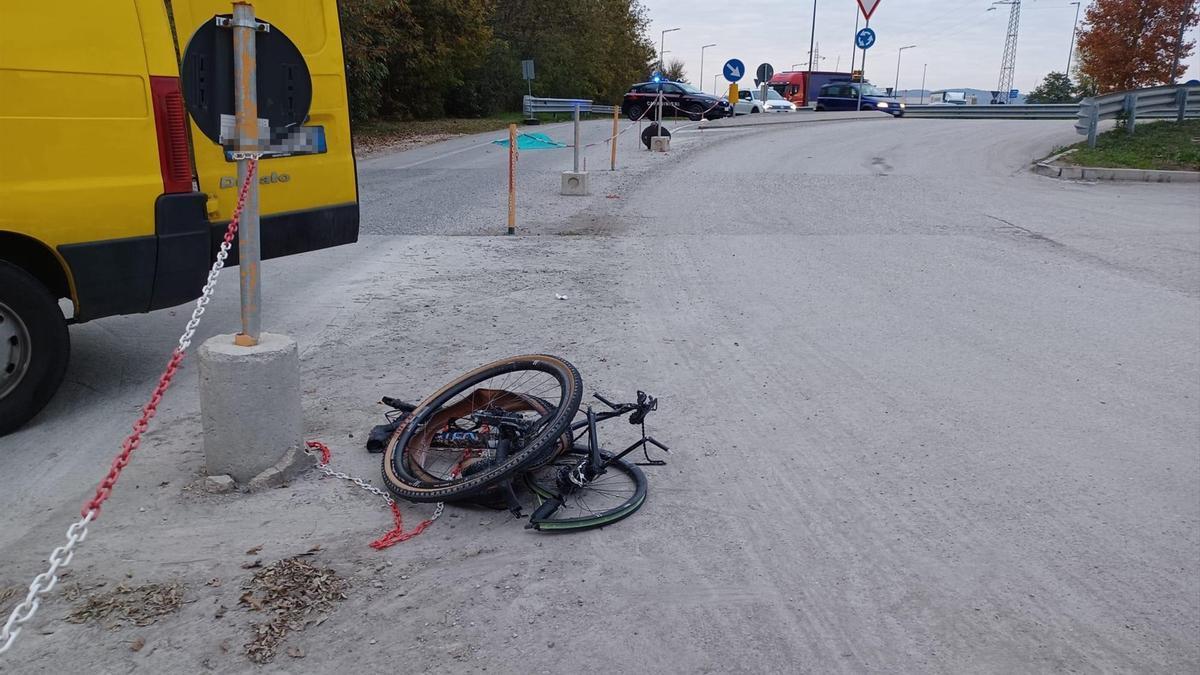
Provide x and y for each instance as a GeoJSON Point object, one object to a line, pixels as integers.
{"type": "Point", "coordinates": [482, 427]}
{"type": "Point", "coordinates": [616, 494]}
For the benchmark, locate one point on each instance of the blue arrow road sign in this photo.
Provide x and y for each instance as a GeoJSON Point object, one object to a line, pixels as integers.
{"type": "Point", "coordinates": [1014, 93]}
{"type": "Point", "coordinates": [734, 70]}
{"type": "Point", "coordinates": [865, 38]}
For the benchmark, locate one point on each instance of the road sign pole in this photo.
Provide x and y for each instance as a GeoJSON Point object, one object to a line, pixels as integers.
{"type": "Point", "coordinates": [863, 80]}
{"type": "Point", "coordinates": [245, 68]}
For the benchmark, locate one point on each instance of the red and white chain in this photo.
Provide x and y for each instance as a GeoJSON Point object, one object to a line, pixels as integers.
{"type": "Point", "coordinates": [61, 556]}
{"type": "Point", "coordinates": [397, 533]}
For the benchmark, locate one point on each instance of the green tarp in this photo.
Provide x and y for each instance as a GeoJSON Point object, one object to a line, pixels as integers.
{"type": "Point", "coordinates": [532, 142]}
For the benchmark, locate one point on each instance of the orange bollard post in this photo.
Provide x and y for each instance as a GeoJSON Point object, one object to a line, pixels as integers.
{"type": "Point", "coordinates": [613, 143]}
{"type": "Point", "coordinates": [512, 179]}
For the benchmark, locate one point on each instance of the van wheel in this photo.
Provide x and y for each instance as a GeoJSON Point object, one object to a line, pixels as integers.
{"type": "Point", "coordinates": [34, 346]}
{"type": "Point", "coordinates": [753, 110]}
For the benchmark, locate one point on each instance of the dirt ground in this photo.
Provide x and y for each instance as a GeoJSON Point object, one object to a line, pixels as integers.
{"type": "Point", "coordinates": [954, 430]}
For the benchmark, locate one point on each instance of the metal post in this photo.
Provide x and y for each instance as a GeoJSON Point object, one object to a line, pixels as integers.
{"type": "Point", "coordinates": [1130, 112]}
{"type": "Point", "coordinates": [863, 80]}
{"type": "Point", "coordinates": [1181, 96]}
{"type": "Point", "coordinates": [576, 138]}
{"type": "Point", "coordinates": [659, 121]}
{"type": "Point", "coordinates": [812, 36]}
{"type": "Point", "coordinates": [1093, 123]}
{"type": "Point", "coordinates": [924, 69]}
{"type": "Point", "coordinates": [854, 48]}
{"type": "Point", "coordinates": [245, 73]}
{"type": "Point", "coordinates": [512, 179]}
{"type": "Point", "coordinates": [613, 142]}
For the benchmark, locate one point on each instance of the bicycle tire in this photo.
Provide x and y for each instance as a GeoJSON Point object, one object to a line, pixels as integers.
{"type": "Point", "coordinates": [398, 474]}
{"type": "Point", "coordinates": [631, 471]}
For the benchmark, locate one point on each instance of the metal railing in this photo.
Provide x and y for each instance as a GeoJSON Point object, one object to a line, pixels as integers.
{"type": "Point", "coordinates": [532, 105]}
{"type": "Point", "coordinates": [1045, 111]}
{"type": "Point", "coordinates": [1165, 102]}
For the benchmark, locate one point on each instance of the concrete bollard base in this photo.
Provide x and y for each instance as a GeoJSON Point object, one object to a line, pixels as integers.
{"type": "Point", "coordinates": [250, 409]}
{"type": "Point", "coordinates": [575, 183]}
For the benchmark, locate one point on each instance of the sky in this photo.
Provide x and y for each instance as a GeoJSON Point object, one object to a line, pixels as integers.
{"type": "Point", "coordinates": [958, 42]}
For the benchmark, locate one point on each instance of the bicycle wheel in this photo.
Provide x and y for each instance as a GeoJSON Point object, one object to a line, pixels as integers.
{"type": "Point", "coordinates": [614, 495]}
{"type": "Point", "coordinates": [482, 427]}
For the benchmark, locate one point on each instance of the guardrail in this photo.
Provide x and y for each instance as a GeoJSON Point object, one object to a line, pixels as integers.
{"type": "Point", "coordinates": [532, 105]}
{"type": "Point", "coordinates": [1168, 101]}
{"type": "Point", "coordinates": [1031, 111]}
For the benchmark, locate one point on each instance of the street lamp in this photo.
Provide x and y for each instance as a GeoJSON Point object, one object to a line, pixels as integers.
{"type": "Point", "coordinates": [1073, 31]}
{"type": "Point", "coordinates": [793, 66]}
{"type": "Point", "coordinates": [923, 71]}
{"type": "Point", "coordinates": [701, 78]}
{"type": "Point", "coordinates": [896, 87]}
{"type": "Point", "coordinates": [661, 41]}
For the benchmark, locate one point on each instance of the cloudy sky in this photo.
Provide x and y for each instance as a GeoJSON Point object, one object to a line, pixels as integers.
{"type": "Point", "coordinates": [959, 39]}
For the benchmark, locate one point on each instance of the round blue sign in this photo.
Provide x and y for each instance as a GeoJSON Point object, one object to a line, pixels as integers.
{"type": "Point", "coordinates": [865, 38]}
{"type": "Point", "coordinates": [734, 70]}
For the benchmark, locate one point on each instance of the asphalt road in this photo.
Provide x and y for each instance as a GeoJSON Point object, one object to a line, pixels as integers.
{"type": "Point", "coordinates": [928, 412]}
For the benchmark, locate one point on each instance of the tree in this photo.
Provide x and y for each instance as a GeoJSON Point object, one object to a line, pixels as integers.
{"type": "Point", "coordinates": [673, 71]}
{"type": "Point", "coordinates": [1056, 88]}
{"type": "Point", "coordinates": [1128, 44]}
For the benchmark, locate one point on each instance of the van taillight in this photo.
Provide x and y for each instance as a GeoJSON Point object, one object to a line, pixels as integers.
{"type": "Point", "coordinates": [170, 118]}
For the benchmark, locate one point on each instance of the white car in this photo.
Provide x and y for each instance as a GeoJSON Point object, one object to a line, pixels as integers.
{"type": "Point", "coordinates": [749, 102]}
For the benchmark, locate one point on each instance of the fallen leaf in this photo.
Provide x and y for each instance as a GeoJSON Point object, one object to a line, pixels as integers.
{"type": "Point", "coordinates": [295, 652]}
{"type": "Point", "coordinates": [214, 582]}
{"type": "Point", "coordinates": [255, 550]}
{"type": "Point", "coordinates": [252, 565]}
{"type": "Point", "coordinates": [221, 611]}
{"type": "Point", "coordinates": [137, 644]}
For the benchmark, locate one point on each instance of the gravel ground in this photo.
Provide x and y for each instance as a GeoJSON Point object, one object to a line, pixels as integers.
{"type": "Point", "coordinates": [928, 413]}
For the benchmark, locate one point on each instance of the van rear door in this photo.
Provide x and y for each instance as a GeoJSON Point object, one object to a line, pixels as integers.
{"type": "Point", "coordinates": [308, 201]}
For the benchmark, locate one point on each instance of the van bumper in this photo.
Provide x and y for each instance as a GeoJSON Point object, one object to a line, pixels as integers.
{"type": "Point", "coordinates": [140, 274]}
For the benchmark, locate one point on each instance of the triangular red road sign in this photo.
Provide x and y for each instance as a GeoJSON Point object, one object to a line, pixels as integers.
{"type": "Point", "coordinates": [868, 7]}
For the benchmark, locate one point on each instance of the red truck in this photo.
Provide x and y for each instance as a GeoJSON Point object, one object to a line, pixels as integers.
{"type": "Point", "coordinates": [801, 87]}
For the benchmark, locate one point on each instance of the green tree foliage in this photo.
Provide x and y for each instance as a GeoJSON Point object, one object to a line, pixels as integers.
{"type": "Point", "coordinates": [1056, 88]}
{"type": "Point", "coordinates": [428, 58]}
{"type": "Point", "coordinates": [674, 71]}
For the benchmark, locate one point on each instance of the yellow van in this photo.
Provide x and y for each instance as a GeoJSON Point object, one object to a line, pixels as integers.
{"type": "Point", "coordinates": [111, 197]}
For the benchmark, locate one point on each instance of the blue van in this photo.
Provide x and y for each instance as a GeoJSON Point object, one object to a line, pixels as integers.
{"type": "Point", "coordinates": [845, 96]}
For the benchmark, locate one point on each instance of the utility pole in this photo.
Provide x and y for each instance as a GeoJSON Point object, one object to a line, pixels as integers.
{"type": "Point", "coordinates": [1074, 30]}
{"type": "Point", "coordinates": [1008, 62]}
{"type": "Point", "coordinates": [923, 71]}
{"type": "Point", "coordinates": [700, 80]}
{"type": "Point", "coordinates": [812, 36]}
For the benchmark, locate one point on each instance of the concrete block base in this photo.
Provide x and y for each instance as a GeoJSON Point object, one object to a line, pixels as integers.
{"type": "Point", "coordinates": [250, 410]}
{"type": "Point", "coordinates": [575, 183]}
{"type": "Point", "coordinates": [660, 143]}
